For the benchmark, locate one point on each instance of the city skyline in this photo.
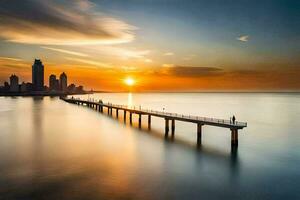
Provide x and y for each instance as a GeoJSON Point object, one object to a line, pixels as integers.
{"type": "Point", "coordinates": [161, 45]}
{"type": "Point", "coordinates": [37, 87]}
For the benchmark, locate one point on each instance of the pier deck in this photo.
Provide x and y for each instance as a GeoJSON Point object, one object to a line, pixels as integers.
{"type": "Point", "coordinates": [200, 121]}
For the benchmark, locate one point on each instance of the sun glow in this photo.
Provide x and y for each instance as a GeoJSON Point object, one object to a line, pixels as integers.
{"type": "Point", "coordinates": [129, 81]}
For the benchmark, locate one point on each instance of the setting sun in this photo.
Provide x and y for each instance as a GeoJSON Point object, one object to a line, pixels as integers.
{"type": "Point", "coordinates": [129, 81]}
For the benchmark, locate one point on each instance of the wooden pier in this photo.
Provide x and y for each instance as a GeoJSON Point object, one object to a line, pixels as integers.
{"type": "Point", "coordinates": [169, 117]}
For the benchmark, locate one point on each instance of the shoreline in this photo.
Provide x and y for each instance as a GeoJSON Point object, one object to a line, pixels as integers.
{"type": "Point", "coordinates": [41, 94]}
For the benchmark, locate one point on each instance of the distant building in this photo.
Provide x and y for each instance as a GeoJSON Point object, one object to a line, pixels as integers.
{"type": "Point", "coordinates": [6, 86]}
{"type": "Point", "coordinates": [38, 75]}
{"type": "Point", "coordinates": [52, 82]}
{"type": "Point", "coordinates": [29, 87]}
{"type": "Point", "coordinates": [72, 88]}
{"type": "Point", "coordinates": [63, 82]}
{"type": "Point", "coordinates": [23, 87]}
{"type": "Point", "coordinates": [14, 83]}
{"type": "Point", "coordinates": [79, 89]}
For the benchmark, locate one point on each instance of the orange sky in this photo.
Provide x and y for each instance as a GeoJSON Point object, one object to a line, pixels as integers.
{"type": "Point", "coordinates": [166, 78]}
{"type": "Point", "coordinates": [172, 50]}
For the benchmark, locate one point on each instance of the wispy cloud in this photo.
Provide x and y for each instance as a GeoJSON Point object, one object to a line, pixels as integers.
{"type": "Point", "coordinates": [12, 64]}
{"type": "Point", "coordinates": [147, 60]}
{"type": "Point", "coordinates": [189, 57]}
{"type": "Point", "coordinates": [120, 52]}
{"type": "Point", "coordinates": [65, 23]}
{"type": "Point", "coordinates": [66, 51]}
{"type": "Point", "coordinates": [169, 54]}
{"type": "Point", "coordinates": [10, 59]}
{"type": "Point", "coordinates": [89, 62]}
{"type": "Point", "coordinates": [243, 38]}
{"type": "Point", "coordinates": [189, 71]}
{"type": "Point", "coordinates": [168, 65]}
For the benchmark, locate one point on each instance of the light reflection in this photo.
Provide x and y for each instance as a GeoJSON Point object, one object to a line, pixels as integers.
{"type": "Point", "coordinates": [129, 100]}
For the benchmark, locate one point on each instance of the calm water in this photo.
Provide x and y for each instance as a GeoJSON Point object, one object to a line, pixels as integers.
{"type": "Point", "coordinates": [53, 150]}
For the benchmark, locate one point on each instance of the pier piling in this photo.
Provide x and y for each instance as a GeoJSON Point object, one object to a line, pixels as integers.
{"type": "Point", "coordinates": [173, 127]}
{"type": "Point", "coordinates": [234, 137]}
{"type": "Point", "coordinates": [140, 120]}
{"type": "Point", "coordinates": [166, 127]}
{"type": "Point", "coordinates": [130, 118]}
{"type": "Point", "coordinates": [149, 122]}
{"type": "Point", "coordinates": [124, 116]}
{"type": "Point", "coordinates": [199, 133]}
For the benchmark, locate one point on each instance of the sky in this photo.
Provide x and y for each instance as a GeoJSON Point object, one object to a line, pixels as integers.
{"type": "Point", "coordinates": [163, 45]}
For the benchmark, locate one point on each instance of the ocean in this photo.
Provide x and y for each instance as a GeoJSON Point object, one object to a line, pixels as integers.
{"type": "Point", "coordinates": [50, 149]}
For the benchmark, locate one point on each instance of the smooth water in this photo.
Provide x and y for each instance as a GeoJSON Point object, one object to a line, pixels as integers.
{"type": "Point", "coordinates": [50, 149]}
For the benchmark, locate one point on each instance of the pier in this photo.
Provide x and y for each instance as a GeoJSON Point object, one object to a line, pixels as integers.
{"type": "Point", "coordinates": [168, 117]}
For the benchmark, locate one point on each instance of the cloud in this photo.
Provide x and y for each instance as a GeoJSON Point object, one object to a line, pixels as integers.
{"type": "Point", "coordinates": [190, 71]}
{"type": "Point", "coordinates": [169, 54]}
{"type": "Point", "coordinates": [66, 51]}
{"type": "Point", "coordinates": [129, 68]}
{"type": "Point", "coordinates": [60, 22]}
{"type": "Point", "coordinates": [147, 60]}
{"type": "Point", "coordinates": [168, 65]}
{"type": "Point", "coordinates": [243, 38]}
{"type": "Point", "coordinates": [189, 57]}
{"type": "Point", "coordinates": [89, 62]}
{"type": "Point", "coordinates": [10, 59]}
{"type": "Point", "coordinates": [9, 65]}
{"type": "Point", "coordinates": [126, 53]}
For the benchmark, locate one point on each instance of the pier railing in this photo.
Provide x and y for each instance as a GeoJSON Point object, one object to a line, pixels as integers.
{"type": "Point", "coordinates": [170, 114]}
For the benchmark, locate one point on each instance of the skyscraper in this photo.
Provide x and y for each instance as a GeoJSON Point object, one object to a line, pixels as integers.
{"type": "Point", "coordinates": [14, 83]}
{"type": "Point", "coordinates": [63, 82]}
{"type": "Point", "coordinates": [52, 82]}
{"type": "Point", "coordinates": [38, 75]}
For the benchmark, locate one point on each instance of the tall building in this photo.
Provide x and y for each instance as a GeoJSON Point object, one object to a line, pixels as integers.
{"type": "Point", "coordinates": [57, 85]}
{"type": "Point", "coordinates": [14, 83]}
{"type": "Point", "coordinates": [52, 82]}
{"type": "Point", "coordinates": [38, 75]}
{"type": "Point", "coordinates": [63, 82]}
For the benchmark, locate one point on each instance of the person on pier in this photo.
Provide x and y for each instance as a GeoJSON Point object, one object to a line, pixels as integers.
{"type": "Point", "coordinates": [233, 119]}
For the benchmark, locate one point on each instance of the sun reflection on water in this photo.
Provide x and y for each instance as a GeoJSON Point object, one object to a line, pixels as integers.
{"type": "Point", "coordinates": [129, 100]}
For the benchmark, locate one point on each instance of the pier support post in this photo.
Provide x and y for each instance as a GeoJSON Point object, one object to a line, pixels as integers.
{"type": "Point", "coordinates": [117, 113]}
{"type": "Point", "coordinates": [166, 127]}
{"type": "Point", "coordinates": [173, 127]}
{"type": "Point", "coordinates": [130, 118]}
{"type": "Point", "coordinates": [124, 116]}
{"type": "Point", "coordinates": [199, 133]}
{"type": "Point", "coordinates": [234, 137]}
{"type": "Point", "coordinates": [149, 122]}
{"type": "Point", "coordinates": [140, 120]}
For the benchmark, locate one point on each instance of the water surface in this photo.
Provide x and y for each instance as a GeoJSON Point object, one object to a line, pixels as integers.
{"type": "Point", "coordinates": [53, 150]}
